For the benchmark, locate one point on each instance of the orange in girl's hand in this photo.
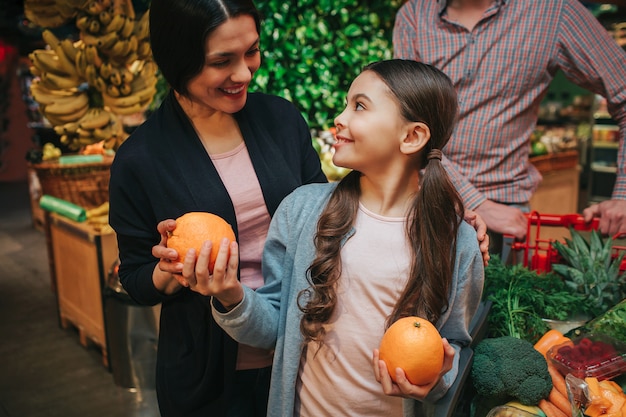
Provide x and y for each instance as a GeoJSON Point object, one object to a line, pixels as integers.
{"type": "Point", "coordinates": [415, 345]}
{"type": "Point", "coordinates": [195, 227]}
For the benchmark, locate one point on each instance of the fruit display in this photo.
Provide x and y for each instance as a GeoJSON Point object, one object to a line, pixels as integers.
{"type": "Point", "coordinates": [84, 86]}
{"type": "Point", "coordinates": [414, 345]}
{"type": "Point", "coordinates": [194, 228]}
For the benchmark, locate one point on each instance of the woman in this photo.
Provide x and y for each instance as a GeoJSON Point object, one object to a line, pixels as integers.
{"type": "Point", "coordinates": [213, 147]}
{"type": "Point", "coordinates": [344, 261]}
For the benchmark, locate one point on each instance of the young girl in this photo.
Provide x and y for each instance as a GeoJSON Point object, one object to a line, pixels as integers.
{"type": "Point", "coordinates": [343, 261]}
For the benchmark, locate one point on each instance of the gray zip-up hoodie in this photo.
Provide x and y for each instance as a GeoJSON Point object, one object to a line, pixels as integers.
{"type": "Point", "coordinates": [270, 318]}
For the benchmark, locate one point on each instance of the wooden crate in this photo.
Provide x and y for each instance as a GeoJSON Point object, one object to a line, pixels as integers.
{"type": "Point", "coordinates": [80, 259]}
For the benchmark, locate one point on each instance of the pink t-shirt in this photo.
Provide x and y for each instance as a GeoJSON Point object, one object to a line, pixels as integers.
{"type": "Point", "coordinates": [339, 380]}
{"type": "Point", "coordinates": [253, 220]}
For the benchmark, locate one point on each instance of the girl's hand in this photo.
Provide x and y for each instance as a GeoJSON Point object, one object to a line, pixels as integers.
{"type": "Point", "coordinates": [222, 283]}
{"type": "Point", "coordinates": [404, 388]}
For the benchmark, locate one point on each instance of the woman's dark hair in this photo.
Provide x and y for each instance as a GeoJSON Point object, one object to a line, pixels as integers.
{"type": "Point", "coordinates": [425, 95]}
{"type": "Point", "coordinates": [179, 30]}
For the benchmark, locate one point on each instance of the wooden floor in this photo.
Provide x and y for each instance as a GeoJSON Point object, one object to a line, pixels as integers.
{"type": "Point", "coordinates": [44, 370]}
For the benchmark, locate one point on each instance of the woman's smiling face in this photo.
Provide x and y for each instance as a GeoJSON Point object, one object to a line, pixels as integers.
{"type": "Point", "coordinates": [232, 57]}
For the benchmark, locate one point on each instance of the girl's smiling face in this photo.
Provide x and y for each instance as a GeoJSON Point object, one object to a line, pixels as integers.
{"type": "Point", "coordinates": [371, 127]}
{"type": "Point", "coordinates": [232, 57]}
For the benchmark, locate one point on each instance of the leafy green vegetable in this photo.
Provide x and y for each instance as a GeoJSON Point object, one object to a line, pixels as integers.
{"type": "Point", "coordinates": [590, 269]}
{"type": "Point", "coordinates": [611, 323]}
{"type": "Point", "coordinates": [521, 298]}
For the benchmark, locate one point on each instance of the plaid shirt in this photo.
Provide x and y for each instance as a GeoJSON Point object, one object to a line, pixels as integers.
{"type": "Point", "coordinates": [502, 70]}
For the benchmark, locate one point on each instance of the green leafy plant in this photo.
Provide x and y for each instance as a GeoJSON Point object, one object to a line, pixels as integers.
{"type": "Point", "coordinates": [521, 298]}
{"type": "Point", "coordinates": [313, 49]}
{"type": "Point", "coordinates": [590, 269]}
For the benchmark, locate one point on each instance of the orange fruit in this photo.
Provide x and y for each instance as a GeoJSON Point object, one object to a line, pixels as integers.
{"type": "Point", "coordinates": [195, 227]}
{"type": "Point", "coordinates": [413, 344]}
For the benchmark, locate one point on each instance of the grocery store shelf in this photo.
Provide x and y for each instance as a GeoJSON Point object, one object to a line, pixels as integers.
{"type": "Point", "coordinates": [603, 168]}
{"type": "Point", "coordinates": [605, 145]}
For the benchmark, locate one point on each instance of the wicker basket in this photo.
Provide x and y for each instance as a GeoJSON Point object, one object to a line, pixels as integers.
{"type": "Point", "coordinates": [86, 185]}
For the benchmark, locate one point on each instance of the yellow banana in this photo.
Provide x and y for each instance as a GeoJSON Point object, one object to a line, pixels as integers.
{"type": "Point", "coordinates": [116, 77]}
{"type": "Point", "coordinates": [112, 90]}
{"type": "Point", "coordinates": [142, 26]}
{"type": "Point", "coordinates": [127, 75]}
{"type": "Point", "coordinates": [147, 93]}
{"type": "Point", "coordinates": [92, 56]}
{"type": "Point", "coordinates": [144, 50]}
{"type": "Point", "coordinates": [98, 211]}
{"type": "Point", "coordinates": [105, 70]}
{"type": "Point", "coordinates": [59, 130]}
{"type": "Point", "coordinates": [133, 44]}
{"type": "Point", "coordinates": [107, 41]}
{"type": "Point", "coordinates": [96, 7]}
{"type": "Point", "coordinates": [125, 89]}
{"type": "Point", "coordinates": [128, 28]}
{"type": "Point", "coordinates": [96, 118]}
{"type": "Point", "coordinates": [117, 102]}
{"type": "Point", "coordinates": [136, 108]}
{"type": "Point", "coordinates": [105, 18]}
{"type": "Point", "coordinates": [59, 119]}
{"type": "Point", "coordinates": [46, 61]}
{"type": "Point", "coordinates": [117, 22]}
{"type": "Point", "coordinates": [130, 58]}
{"type": "Point", "coordinates": [70, 128]}
{"type": "Point", "coordinates": [103, 134]}
{"type": "Point", "coordinates": [65, 62]}
{"type": "Point", "coordinates": [94, 26]}
{"type": "Point", "coordinates": [82, 22]}
{"type": "Point", "coordinates": [80, 62]}
{"type": "Point", "coordinates": [100, 85]}
{"type": "Point", "coordinates": [83, 133]}
{"type": "Point", "coordinates": [91, 74]}
{"type": "Point", "coordinates": [57, 82]}
{"type": "Point", "coordinates": [50, 38]}
{"type": "Point", "coordinates": [69, 105]}
{"type": "Point", "coordinates": [120, 49]}
{"type": "Point", "coordinates": [69, 49]}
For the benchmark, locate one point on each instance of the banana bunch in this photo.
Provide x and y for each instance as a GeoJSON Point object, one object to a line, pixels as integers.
{"type": "Point", "coordinates": [98, 218]}
{"type": "Point", "coordinates": [56, 66]}
{"type": "Point", "coordinates": [129, 90]}
{"type": "Point", "coordinates": [59, 106]}
{"type": "Point", "coordinates": [111, 26]}
{"type": "Point", "coordinates": [96, 125]}
{"type": "Point", "coordinates": [83, 86]}
{"type": "Point", "coordinates": [51, 13]}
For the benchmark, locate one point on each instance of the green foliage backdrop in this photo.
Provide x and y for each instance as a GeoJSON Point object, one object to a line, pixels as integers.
{"type": "Point", "coordinates": [313, 49]}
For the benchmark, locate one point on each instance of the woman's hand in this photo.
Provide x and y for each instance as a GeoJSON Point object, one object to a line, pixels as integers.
{"type": "Point", "coordinates": [222, 283]}
{"type": "Point", "coordinates": [167, 276]}
{"type": "Point", "coordinates": [479, 224]}
{"type": "Point", "coordinates": [404, 388]}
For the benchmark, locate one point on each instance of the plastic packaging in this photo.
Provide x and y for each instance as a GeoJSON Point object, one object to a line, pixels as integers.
{"type": "Point", "coordinates": [63, 207]}
{"type": "Point", "coordinates": [592, 355]}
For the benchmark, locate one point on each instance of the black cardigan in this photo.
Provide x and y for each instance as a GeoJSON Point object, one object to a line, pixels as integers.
{"type": "Point", "coordinates": [161, 172]}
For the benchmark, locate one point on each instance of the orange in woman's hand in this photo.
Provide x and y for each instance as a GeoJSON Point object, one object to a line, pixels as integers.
{"type": "Point", "coordinates": [415, 345]}
{"type": "Point", "coordinates": [193, 228]}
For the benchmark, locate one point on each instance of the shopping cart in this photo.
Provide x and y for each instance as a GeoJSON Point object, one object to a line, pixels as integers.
{"type": "Point", "coordinates": [538, 253]}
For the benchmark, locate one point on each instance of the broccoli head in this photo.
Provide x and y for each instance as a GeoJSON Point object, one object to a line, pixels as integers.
{"type": "Point", "coordinates": [506, 367]}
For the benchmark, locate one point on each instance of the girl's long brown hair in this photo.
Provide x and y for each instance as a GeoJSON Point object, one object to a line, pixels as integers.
{"type": "Point", "coordinates": [425, 95]}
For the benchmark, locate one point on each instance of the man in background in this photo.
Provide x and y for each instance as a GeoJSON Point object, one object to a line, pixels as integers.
{"type": "Point", "coordinates": [502, 56]}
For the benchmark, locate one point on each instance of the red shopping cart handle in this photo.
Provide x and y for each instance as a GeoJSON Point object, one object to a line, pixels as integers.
{"type": "Point", "coordinates": [564, 220]}
{"type": "Point", "coordinates": [575, 221]}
